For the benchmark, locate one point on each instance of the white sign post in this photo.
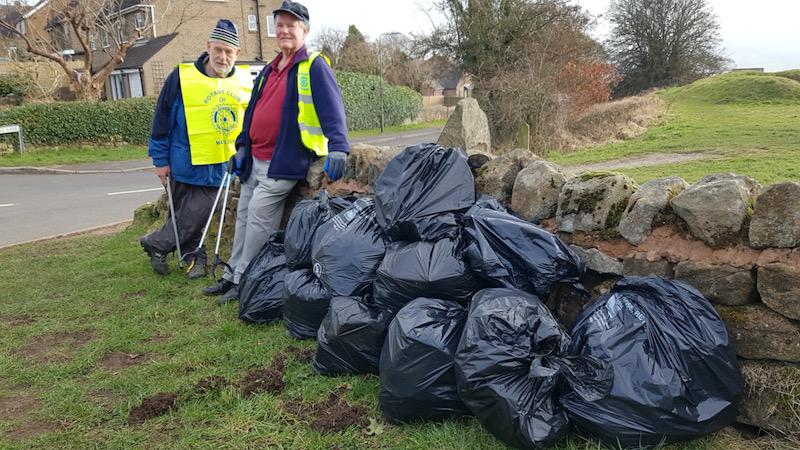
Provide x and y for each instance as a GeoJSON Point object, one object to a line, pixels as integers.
{"type": "Point", "coordinates": [15, 128]}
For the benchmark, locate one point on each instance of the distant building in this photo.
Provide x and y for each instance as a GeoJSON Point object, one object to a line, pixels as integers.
{"type": "Point", "coordinates": [445, 79]}
{"type": "Point", "coordinates": [748, 69]}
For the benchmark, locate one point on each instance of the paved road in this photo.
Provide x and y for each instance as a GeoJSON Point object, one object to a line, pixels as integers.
{"type": "Point", "coordinates": [36, 206]}
{"type": "Point", "coordinates": [403, 139]}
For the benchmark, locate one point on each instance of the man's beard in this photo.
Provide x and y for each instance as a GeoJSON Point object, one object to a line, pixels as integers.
{"type": "Point", "coordinates": [221, 69]}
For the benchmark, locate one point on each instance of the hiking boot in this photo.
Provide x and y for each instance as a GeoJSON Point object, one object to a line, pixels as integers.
{"type": "Point", "coordinates": [220, 287]}
{"type": "Point", "coordinates": [231, 296]}
{"type": "Point", "coordinates": [157, 259]}
{"type": "Point", "coordinates": [200, 265]}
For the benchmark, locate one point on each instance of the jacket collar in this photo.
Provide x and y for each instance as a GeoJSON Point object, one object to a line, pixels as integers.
{"type": "Point", "coordinates": [301, 55]}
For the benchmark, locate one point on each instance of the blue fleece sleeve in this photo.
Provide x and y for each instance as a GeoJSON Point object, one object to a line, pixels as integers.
{"type": "Point", "coordinates": [163, 121]}
{"type": "Point", "coordinates": [329, 105]}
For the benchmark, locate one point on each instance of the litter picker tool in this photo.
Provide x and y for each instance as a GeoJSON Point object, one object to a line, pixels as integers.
{"type": "Point", "coordinates": [194, 253]}
{"type": "Point", "coordinates": [217, 260]}
{"type": "Point", "coordinates": [174, 221]}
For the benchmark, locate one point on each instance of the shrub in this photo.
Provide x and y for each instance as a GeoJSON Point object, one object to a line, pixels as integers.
{"type": "Point", "coordinates": [361, 95]}
{"type": "Point", "coordinates": [16, 85]}
{"type": "Point", "coordinates": [61, 123]}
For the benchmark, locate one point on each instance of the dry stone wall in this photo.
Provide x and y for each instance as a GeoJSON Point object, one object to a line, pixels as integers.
{"type": "Point", "coordinates": [737, 242]}
{"type": "Point", "coordinates": [734, 240]}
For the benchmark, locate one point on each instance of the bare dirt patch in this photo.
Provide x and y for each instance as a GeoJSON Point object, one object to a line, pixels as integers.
{"type": "Point", "coordinates": [28, 430]}
{"type": "Point", "coordinates": [209, 384]}
{"type": "Point", "coordinates": [16, 321]}
{"type": "Point", "coordinates": [266, 379]}
{"type": "Point", "coordinates": [300, 354]}
{"type": "Point", "coordinates": [116, 361]}
{"type": "Point", "coordinates": [153, 406]}
{"type": "Point", "coordinates": [17, 406]}
{"type": "Point", "coordinates": [329, 416]}
{"type": "Point", "coordinates": [55, 347]}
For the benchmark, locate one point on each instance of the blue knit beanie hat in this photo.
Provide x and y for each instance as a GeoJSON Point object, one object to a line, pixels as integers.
{"type": "Point", "coordinates": [225, 33]}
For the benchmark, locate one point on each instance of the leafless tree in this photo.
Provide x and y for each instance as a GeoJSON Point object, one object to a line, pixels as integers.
{"type": "Point", "coordinates": [330, 41]}
{"type": "Point", "coordinates": [662, 42]}
{"type": "Point", "coordinates": [81, 24]}
{"type": "Point", "coordinates": [516, 52]}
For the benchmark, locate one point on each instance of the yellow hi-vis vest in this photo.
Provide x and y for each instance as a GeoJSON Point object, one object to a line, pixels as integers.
{"type": "Point", "coordinates": [307, 120]}
{"type": "Point", "coordinates": [214, 109]}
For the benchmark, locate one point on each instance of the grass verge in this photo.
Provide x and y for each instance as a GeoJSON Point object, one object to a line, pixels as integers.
{"type": "Point", "coordinates": [749, 124]}
{"type": "Point", "coordinates": [89, 332]}
{"type": "Point", "coordinates": [57, 156]}
{"type": "Point", "coordinates": [399, 128]}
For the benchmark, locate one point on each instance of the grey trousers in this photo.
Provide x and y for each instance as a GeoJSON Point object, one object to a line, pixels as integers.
{"type": "Point", "coordinates": [261, 202]}
{"type": "Point", "coordinates": [192, 207]}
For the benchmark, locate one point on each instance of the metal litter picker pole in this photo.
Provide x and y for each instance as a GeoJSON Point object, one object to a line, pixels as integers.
{"type": "Point", "coordinates": [217, 260]}
{"type": "Point", "coordinates": [174, 222]}
{"type": "Point", "coordinates": [225, 179]}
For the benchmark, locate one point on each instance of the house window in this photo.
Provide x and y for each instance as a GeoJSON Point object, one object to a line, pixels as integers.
{"type": "Point", "coordinates": [66, 30]}
{"type": "Point", "coordinates": [92, 44]}
{"type": "Point", "coordinates": [21, 26]}
{"type": "Point", "coordinates": [120, 33]}
{"type": "Point", "coordinates": [104, 38]}
{"type": "Point", "coordinates": [271, 26]}
{"type": "Point", "coordinates": [251, 23]}
{"type": "Point", "coordinates": [138, 19]}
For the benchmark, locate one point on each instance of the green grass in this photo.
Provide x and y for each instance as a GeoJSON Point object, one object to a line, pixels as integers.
{"type": "Point", "coordinates": [749, 123]}
{"type": "Point", "coordinates": [398, 128]}
{"type": "Point", "coordinates": [57, 156]}
{"type": "Point", "coordinates": [103, 286]}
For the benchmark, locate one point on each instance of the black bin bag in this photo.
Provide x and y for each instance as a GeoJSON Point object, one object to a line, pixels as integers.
{"type": "Point", "coordinates": [261, 285]}
{"type": "Point", "coordinates": [417, 269]}
{"type": "Point", "coordinates": [418, 381]}
{"type": "Point", "coordinates": [676, 376]}
{"type": "Point", "coordinates": [305, 303]}
{"type": "Point", "coordinates": [511, 252]}
{"type": "Point", "coordinates": [351, 337]}
{"type": "Point", "coordinates": [511, 364]}
{"type": "Point", "coordinates": [419, 192]}
{"type": "Point", "coordinates": [350, 249]}
{"type": "Point", "coordinates": [306, 218]}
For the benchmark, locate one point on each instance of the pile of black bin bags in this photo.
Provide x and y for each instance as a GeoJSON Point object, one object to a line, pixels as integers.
{"type": "Point", "coordinates": [441, 294]}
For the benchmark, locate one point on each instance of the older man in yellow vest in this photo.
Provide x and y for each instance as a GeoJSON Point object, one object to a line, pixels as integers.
{"type": "Point", "coordinates": [296, 115]}
{"type": "Point", "coordinates": [198, 116]}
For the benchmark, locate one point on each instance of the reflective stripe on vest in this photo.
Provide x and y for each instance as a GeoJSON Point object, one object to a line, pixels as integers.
{"type": "Point", "coordinates": [214, 109]}
{"type": "Point", "coordinates": [307, 120]}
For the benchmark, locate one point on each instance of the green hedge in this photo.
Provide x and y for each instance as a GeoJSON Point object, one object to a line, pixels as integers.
{"type": "Point", "coordinates": [61, 123]}
{"type": "Point", "coordinates": [128, 121]}
{"type": "Point", "coordinates": [16, 85]}
{"type": "Point", "coordinates": [361, 95]}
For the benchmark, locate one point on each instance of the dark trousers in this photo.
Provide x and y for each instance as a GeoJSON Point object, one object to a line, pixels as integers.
{"type": "Point", "coordinates": [192, 206]}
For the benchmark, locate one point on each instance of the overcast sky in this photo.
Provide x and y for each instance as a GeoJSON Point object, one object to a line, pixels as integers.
{"type": "Point", "coordinates": [762, 33]}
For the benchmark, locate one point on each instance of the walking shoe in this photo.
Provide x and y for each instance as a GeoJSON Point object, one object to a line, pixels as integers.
{"type": "Point", "coordinates": [200, 265]}
{"type": "Point", "coordinates": [231, 296]}
{"type": "Point", "coordinates": [157, 259]}
{"type": "Point", "coordinates": [220, 287]}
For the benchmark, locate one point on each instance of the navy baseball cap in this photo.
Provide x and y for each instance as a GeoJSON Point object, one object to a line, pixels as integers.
{"type": "Point", "coordinates": [295, 9]}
